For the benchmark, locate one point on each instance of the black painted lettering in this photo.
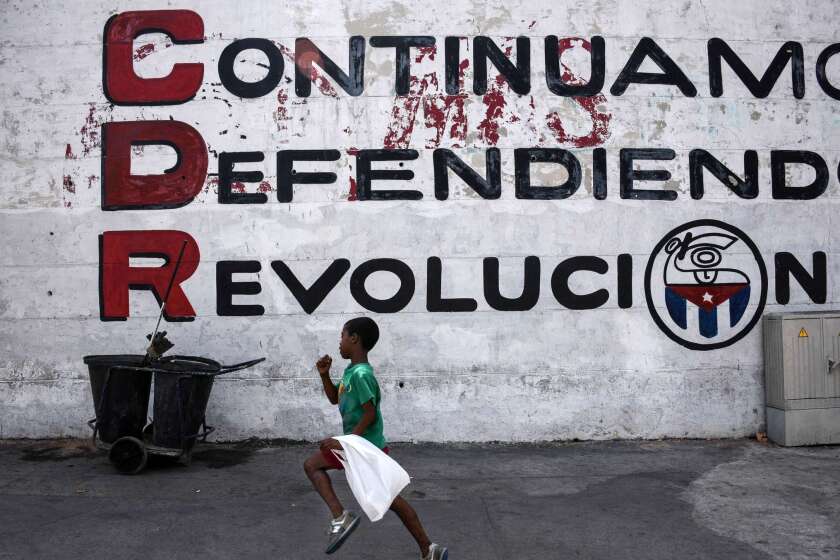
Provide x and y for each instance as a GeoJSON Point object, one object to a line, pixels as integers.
{"type": "Point", "coordinates": [560, 283]}
{"type": "Point", "coordinates": [434, 301]}
{"type": "Point", "coordinates": [307, 54]}
{"type": "Point", "coordinates": [523, 157]}
{"type": "Point", "coordinates": [599, 173]}
{"type": "Point", "coordinates": [815, 285]}
{"type": "Point", "coordinates": [226, 288]}
{"type": "Point", "coordinates": [365, 175]}
{"type": "Point", "coordinates": [629, 174]}
{"type": "Point", "coordinates": [822, 75]}
{"type": "Point", "coordinates": [452, 64]}
{"type": "Point", "coordinates": [402, 46]}
{"type": "Point", "coordinates": [530, 286]}
{"type": "Point", "coordinates": [780, 159]}
{"type": "Point", "coordinates": [597, 73]}
{"type": "Point", "coordinates": [489, 188]}
{"type": "Point", "coordinates": [700, 160]}
{"type": "Point", "coordinates": [227, 176]}
{"type": "Point", "coordinates": [671, 74]}
{"type": "Point", "coordinates": [248, 90]}
{"type": "Point", "coordinates": [309, 299]}
{"type": "Point", "coordinates": [287, 176]}
{"type": "Point", "coordinates": [625, 281]}
{"type": "Point", "coordinates": [393, 304]}
{"type": "Point", "coordinates": [789, 52]}
{"type": "Point", "coordinates": [518, 77]}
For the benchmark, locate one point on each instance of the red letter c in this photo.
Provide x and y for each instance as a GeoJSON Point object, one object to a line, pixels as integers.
{"type": "Point", "coordinates": [122, 85]}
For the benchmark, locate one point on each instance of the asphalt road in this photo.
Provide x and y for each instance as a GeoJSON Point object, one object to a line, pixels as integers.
{"type": "Point", "coordinates": [621, 500]}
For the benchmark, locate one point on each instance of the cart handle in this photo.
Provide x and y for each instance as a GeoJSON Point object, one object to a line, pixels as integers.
{"type": "Point", "coordinates": [237, 367]}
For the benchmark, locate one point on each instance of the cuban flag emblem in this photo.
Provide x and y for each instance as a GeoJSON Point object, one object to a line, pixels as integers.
{"type": "Point", "coordinates": [707, 299]}
{"type": "Point", "coordinates": [696, 277]}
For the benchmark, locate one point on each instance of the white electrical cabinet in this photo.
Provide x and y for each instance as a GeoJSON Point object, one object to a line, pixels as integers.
{"type": "Point", "coordinates": [802, 377]}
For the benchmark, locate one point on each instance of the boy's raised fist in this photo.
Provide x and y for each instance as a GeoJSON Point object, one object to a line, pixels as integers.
{"type": "Point", "coordinates": [324, 364]}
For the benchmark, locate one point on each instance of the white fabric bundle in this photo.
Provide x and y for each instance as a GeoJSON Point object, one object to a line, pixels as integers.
{"type": "Point", "coordinates": [374, 478]}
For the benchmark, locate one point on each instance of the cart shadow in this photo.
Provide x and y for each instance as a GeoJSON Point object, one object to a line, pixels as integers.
{"type": "Point", "coordinates": [222, 457]}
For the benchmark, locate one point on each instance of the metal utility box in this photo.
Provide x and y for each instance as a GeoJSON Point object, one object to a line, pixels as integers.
{"type": "Point", "coordinates": [802, 377]}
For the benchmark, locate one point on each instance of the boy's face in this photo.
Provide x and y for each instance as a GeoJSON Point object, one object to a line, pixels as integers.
{"type": "Point", "coordinates": [346, 343]}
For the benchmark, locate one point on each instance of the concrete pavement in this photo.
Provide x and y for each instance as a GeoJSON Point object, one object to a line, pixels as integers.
{"type": "Point", "coordinates": [649, 500]}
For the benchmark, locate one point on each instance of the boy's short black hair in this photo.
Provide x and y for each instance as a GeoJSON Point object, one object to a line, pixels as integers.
{"type": "Point", "coordinates": [366, 329]}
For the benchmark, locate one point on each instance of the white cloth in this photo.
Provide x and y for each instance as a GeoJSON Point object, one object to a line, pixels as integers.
{"type": "Point", "coordinates": [374, 478]}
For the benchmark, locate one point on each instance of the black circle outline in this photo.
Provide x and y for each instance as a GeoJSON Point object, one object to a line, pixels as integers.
{"type": "Point", "coordinates": [761, 267]}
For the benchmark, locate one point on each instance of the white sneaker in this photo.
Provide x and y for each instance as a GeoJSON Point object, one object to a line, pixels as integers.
{"type": "Point", "coordinates": [340, 529]}
{"type": "Point", "coordinates": [436, 552]}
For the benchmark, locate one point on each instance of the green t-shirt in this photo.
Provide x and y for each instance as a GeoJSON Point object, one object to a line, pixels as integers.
{"type": "Point", "coordinates": [358, 386]}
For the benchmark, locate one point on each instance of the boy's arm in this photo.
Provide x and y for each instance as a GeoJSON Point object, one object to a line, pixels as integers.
{"type": "Point", "coordinates": [323, 366]}
{"type": "Point", "coordinates": [368, 418]}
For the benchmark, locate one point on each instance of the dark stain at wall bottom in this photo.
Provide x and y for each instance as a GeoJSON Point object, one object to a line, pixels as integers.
{"type": "Point", "coordinates": [57, 453]}
{"type": "Point", "coordinates": [220, 456]}
{"type": "Point", "coordinates": [212, 456]}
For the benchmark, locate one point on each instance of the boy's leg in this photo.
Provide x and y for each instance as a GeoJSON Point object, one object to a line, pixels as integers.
{"type": "Point", "coordinates": [343, 522]}
{"type": "Point", "coordinates": [409, 518]}
{"type": "Point", "coordinates": [316, 469]}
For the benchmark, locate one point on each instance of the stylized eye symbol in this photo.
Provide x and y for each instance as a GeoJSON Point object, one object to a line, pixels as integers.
{"type": "Point", "coordinates": [706, 257]}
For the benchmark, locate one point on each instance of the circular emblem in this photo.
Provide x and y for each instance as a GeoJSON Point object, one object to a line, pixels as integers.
{"type": "Point", "coordinates": [706, 284]}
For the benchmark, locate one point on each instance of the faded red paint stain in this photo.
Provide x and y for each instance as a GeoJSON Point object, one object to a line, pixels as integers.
{"type": "Point", "coordinates": [354, 191]}
{"type": "Point", "coordinates": [494, 102]}
{"type": "Point", "coordinates": [264, 187]}
{"type": "Point", "coordinates": [281, 113]}
{"type": "Point", "coordinates": [404, 109]}
{"type": "Point", "coordinates": [438, 110]}
{"type": "Point", "coordinates": [90, 129]}
{"type": "Point", "coordinates": [69, 185]}
{"type": "Point", "coordinates": [211, 182]}
{"type": "Point", "coordinates": [320, 80]}
{"type": "Point", "coordinates": [237, 187]}
{"type": "Point", "coordinates": [443, 109]}
{"type": "Point", "coordinates": [68, 153]}
{"type": "Point", "coordinates": [144, 51]}
{"type": "Point", "coordinates": [594, 106]}
{"type": "Point", "coordinates": [488, 129]}
{"type": "Point", "coordinates": [91, 180]}
{"type": "Point", "coordinates": [423, 52]}
{"type": "Point", "coordinates": [403, 117]}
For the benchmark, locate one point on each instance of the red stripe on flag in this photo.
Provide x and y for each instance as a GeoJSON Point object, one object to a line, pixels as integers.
{"type": "Point", "coordinates": [707, 297]}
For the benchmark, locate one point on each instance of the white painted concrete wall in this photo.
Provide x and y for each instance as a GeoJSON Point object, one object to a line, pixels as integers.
{"type": "Point", "coordinates": [545, 374]}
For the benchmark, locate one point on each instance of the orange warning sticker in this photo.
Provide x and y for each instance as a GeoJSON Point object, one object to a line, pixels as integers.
{"type": "Point", "coordinates": [803, 333]}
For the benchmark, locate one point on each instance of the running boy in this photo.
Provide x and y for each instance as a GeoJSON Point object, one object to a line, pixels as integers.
{"type": "Point", "coordinates": [358, 398]}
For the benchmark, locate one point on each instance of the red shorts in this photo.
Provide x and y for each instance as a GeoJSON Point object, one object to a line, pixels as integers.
{"type": "Point", "coordinates": [333, 461]}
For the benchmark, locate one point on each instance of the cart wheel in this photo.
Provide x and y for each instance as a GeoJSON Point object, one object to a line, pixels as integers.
{"type": "Point", "coordinates": [128, 455]}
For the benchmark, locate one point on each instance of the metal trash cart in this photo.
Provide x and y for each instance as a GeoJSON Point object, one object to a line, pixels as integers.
{"type": "Point", "coordinates": [121, 387]}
